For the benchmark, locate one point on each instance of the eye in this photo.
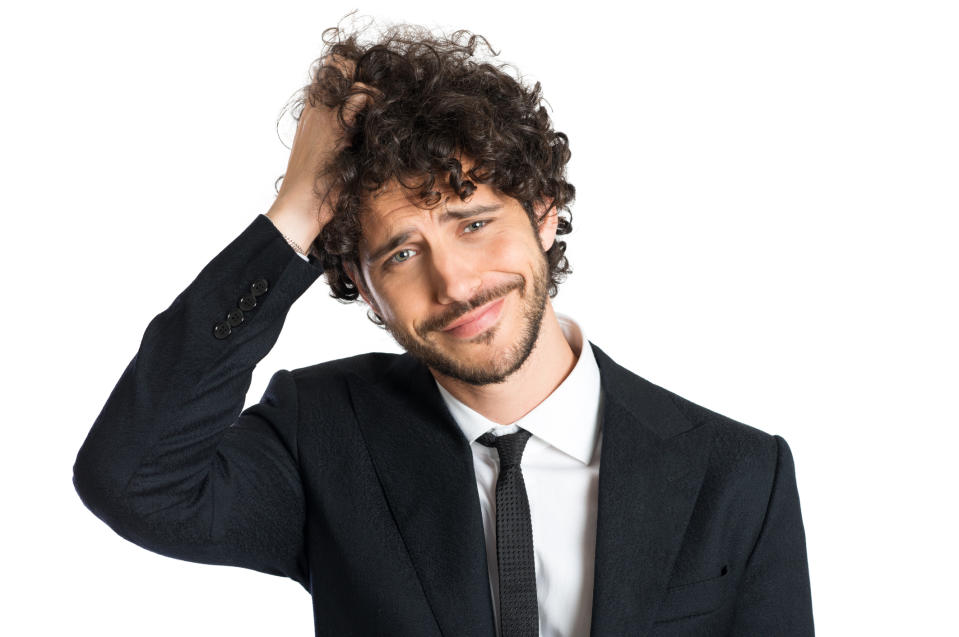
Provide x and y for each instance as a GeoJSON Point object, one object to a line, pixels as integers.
{"type": "Point", "coordinates": [396, 257]}
{"type": "Point", "coordinates": [483, 221]}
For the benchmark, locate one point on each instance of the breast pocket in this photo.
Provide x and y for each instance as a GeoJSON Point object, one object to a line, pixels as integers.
{"type": "Point", "coordinates": [694, 598]}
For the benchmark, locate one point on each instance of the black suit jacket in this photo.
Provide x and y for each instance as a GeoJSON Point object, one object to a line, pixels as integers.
{"type": "Point", "coordinates": [352, 478]}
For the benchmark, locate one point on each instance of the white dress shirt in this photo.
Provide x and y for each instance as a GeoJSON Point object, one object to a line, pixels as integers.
{"type": "Point", "coordinates": [560, 466]}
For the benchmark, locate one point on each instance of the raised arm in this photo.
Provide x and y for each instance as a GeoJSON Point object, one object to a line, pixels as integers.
{"type": "Point", "coordinates": [171, 462]}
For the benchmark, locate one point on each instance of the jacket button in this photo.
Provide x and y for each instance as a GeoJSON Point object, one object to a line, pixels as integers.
{"type": "Point", "coordinates": [247, 302]}
{"type": "Point", "coordinates": [259, 287]}
{"type": "Point", "coordinates": [222, 329]}
{"type": "Point", "coordinates": [235, 317]}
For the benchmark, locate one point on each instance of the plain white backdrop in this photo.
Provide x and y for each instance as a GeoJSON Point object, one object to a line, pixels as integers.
{"type": "Point", "coordinates": [765, 224]}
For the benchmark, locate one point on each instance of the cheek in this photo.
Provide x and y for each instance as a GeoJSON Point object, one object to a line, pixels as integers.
{"type": "Point", "coordinates": [407, 307]}
{"type": "Point", "coordinates": [403, 303]}
{"type": "Point", "coordinates": [509, 254]}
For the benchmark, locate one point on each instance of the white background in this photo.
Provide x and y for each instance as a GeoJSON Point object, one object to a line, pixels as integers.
{"type": "Point", "coordinates": [765, 224]}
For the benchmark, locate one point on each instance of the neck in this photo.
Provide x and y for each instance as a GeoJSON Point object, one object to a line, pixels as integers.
{"type": "Point", "coordinates": [548, 365]}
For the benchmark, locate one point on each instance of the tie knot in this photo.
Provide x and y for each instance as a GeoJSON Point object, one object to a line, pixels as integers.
{"type": "Point", "coordinates": [509, 446]}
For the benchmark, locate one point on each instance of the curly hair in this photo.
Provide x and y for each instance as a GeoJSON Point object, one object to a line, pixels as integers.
{"type": "Point", "coordinates": [432, 101]}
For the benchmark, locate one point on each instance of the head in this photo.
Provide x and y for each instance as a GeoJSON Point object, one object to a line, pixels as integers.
{"type": "Point", "coordinates": [426, 272]}
{"type": "Point", "coordinates": [444, 136]}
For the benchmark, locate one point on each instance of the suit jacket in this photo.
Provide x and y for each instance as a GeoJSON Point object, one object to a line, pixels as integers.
{"type": "Point", "coordinates": [352, 478]}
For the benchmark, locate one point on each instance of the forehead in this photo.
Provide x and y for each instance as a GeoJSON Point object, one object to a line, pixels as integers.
{"type": "Point", "coordinates": [394, 206]}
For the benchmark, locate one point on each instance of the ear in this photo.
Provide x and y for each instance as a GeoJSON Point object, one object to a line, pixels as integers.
{"type": "Point", "coordinates": [546, 228]}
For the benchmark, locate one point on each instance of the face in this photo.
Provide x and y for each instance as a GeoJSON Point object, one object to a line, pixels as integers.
{"type": "Point", "coordinates": [461, 286]}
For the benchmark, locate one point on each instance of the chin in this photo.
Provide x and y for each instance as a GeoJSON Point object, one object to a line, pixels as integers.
{"type": "Point", "coordinates": [489, 365]}
{"type": "Point", "coordinates": [492, 355]}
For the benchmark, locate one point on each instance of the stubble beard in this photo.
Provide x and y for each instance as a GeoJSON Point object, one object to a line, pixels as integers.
{"type": "Point", "coordinates": [492, 371]}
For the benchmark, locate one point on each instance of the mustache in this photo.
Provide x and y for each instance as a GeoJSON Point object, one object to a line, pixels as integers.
{"type": "Point", "coordinates": [459, 309]}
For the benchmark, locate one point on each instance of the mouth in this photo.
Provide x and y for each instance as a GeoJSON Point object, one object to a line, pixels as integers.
{"type": "Point", "coordinates": [476, 321]}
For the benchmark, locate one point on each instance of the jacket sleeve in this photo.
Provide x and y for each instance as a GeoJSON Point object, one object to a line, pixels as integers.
{"type": "Point", "coordinates": [171, 463]}
{"type": "Point", "coordinates": [775, 596]}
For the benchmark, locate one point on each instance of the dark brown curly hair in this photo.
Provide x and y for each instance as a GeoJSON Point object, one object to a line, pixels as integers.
{"type": "Point", "coordinates": [432, 101]}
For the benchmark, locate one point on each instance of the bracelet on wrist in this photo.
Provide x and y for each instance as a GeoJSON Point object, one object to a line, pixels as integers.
{"type": "Point", "coordinates": [293, 244]}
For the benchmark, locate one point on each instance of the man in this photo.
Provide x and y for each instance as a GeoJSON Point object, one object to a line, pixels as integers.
{"type": "Point", "coordinates": [504, 476]}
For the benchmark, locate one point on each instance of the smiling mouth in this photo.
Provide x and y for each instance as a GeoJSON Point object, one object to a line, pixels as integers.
{"type": "Point", "coordinates": [476, 321]}
{"type": "Point", "coordinates": [471, 316]}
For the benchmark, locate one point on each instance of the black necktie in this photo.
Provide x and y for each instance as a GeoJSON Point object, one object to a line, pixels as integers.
{"type": "Point", "coordinates": [518, 610]}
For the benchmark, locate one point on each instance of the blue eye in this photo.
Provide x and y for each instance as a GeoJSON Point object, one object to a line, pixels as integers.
{"type": "Point", "coordinates": [397, 259]}
{"type": "Point", "coordinates": [483, 221]}
{"type": "Point", "coordinates": [394, 259]}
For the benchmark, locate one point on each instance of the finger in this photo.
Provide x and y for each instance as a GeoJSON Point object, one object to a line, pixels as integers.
{"type": "Point", "coordinates": [345, 65]}
{"type": "Point", "coordinates": [368, 87]}
{"type": "Point", "coordinates": [358, 101]}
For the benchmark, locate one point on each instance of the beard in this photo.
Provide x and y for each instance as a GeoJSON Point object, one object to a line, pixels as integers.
{"type": "Point", "coordinates": [487, 372]}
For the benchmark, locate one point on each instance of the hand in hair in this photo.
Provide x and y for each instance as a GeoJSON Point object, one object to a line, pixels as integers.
{"type": "Point", "coordinates": [302, 206]}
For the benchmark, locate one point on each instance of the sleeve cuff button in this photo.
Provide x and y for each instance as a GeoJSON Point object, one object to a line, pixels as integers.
{"type": "Point", "coordinates": [247, 302]}
{"type": "Point", "coordinates": [259, 287]}
{"type": "Point", "coordinates": [221, 329]}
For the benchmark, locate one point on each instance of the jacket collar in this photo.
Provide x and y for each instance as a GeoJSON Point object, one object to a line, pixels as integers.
{"type": "Point", "coordinates": [651, 467]}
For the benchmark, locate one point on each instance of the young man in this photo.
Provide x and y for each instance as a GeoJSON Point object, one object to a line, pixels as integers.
{"type": "Point", "coordinates": [504, 475]}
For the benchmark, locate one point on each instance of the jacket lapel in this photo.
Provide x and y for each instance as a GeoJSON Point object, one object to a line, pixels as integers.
{"type": "Point", "coordinates": [425, 466]}
{"type": "Point", "coordinates": [651, 467]}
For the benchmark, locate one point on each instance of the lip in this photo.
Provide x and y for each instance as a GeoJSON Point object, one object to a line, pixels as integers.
{"type": "Point", "coordinates": [477, 320]}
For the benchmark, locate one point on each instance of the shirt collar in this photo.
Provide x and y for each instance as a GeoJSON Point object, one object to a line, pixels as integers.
{"type": "Point", "coordinates": [567, 419]}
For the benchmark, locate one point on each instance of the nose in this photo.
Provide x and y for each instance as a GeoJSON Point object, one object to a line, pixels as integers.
{"type": "Point", "coordinates": [455, 276]}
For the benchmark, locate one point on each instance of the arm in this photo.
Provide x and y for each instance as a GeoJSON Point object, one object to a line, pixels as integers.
{"type": "Point", "coordinates": [171, 463]}
{"type": "Point", "coordinates": [775, 596]}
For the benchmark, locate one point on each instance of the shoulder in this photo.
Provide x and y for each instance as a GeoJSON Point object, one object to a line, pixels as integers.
{"type": "Point", "coordinates": [369, 366]}
{"type": "Point", "coordinates": [745, 461]}
{"type": "Point", "coordinates": [736, 446]}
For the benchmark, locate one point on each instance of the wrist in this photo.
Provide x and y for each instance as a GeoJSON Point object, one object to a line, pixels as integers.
{"type": "Point", "coordinates": [297, 224]}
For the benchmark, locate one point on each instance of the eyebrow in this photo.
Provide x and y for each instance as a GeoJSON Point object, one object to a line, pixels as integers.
{"type": "Point", "coordinates": [450, 215]}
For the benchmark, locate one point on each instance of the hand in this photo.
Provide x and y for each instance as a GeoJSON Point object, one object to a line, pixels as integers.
{"type": "Point", "coordinates": [297, 211]}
